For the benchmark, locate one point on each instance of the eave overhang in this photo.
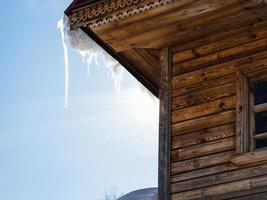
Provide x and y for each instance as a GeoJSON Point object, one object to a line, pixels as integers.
{"type": "Point", "coordinates": [87, 14]}
{"type": "Point", "coordinates": [133, 31]}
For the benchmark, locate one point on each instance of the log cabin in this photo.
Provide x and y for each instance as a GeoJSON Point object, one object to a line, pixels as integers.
{"type": "Point", "coordinates": [206, 61]}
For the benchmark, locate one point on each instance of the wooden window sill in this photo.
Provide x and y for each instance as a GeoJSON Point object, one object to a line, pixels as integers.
{"type": "Point", "coordinates": [250, 158]}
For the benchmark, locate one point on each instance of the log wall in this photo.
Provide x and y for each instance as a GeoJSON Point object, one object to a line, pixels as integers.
{"type": "Point", "coordinates": [203, 115]}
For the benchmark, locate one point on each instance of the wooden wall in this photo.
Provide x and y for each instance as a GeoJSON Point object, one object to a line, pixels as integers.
{"type": "Point", "coordinates": [203, 109]}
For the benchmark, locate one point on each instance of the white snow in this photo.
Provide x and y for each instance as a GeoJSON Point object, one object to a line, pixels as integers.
{"type": "Point", "coordinates": [89, 51]}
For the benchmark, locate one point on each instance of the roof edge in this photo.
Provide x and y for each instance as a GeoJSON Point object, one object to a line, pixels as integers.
{"type": "Point", "coordinates": [128, 66]}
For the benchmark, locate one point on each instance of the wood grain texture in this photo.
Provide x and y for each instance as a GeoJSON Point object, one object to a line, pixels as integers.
{"type": "Point", "coordinates": [203, 149]}
{"type": "Point", "coordinates": [201, 162]}
{"type": "Point", "coordinates": [254, 32]}
{"type": "Point", "coordinates": [219, 178]}
{"type": "Point", "coordinates": [202, 75]}
{"type": "Point", "coordinates": [190, 89]}
{"type": "Point", "coordinates": [181, 32]}
{"type": "Point", "coordinates": [208, 96]}
{"type": "Point", "coordinates": [242, 113]}
{"type": "Point", "coordinates": [259, 196]}
{"type": "Point", "coordinates": [165, 125]}
{"type": "Point", "coordinates": [146, 66]}
{"type": "Point", "coordinates": [199, 55]}
{"type": "Point", "coordinates": [203, 96]}
{"type": "Point", "coordinates": [203, 136]}
{"type": "Point", "coordinates": [222, 56]}
{"type": "Point", "coordinates": [250, 158]}
{"type": "Point", "coordinates": [204, 122]}
{"type": "Point", "coordinates": [203, 172]}
{"type": "Point", "coordinates": [218, 191]}
{"type": "Point", "coordinates": [204, 109]}
{"type": "Point", "coordinates": [242, 193]}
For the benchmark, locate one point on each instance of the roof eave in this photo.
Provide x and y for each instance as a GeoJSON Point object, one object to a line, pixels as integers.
{"type": "Point", "coordinates": [129, 67]}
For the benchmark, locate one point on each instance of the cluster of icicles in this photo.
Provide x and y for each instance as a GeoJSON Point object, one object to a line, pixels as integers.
{"type": "Point", "coordinates": [89, 50]}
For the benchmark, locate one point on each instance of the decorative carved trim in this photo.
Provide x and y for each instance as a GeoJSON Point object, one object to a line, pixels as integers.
{"type": "Point", "coordinates": [111, 11]}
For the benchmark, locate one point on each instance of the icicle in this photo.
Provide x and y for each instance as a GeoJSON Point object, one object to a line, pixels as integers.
{"type": "Point", "coordinates": [62, 26]}
{"type": "Point", "coordinates": [117, 76]}
{"type": "Point", "coordinates": [89, 51]}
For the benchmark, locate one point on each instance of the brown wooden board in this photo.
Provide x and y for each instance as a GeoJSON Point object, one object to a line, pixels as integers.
{"type": "Point", "coordinates": [165, 125]}
{"type": "Point", "coordinates": [199, 56]}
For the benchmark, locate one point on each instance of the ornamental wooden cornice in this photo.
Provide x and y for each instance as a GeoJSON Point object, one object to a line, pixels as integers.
{"type": "Point", "coordinates": [104, 12]}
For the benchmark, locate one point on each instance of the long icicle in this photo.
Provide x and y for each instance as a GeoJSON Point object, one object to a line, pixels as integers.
{"type": "Point", "coordinates": [89, 51]}
{"type": "Point", "coordinates": [61, 25]}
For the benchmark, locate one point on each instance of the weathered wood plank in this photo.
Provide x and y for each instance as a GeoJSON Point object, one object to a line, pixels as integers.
{"type": "Point", "coordinates": [181, 37]}
{"type": "Point", "coordinates": [190, 89]}
{"type": "Point", "coordinates": [165, 125]}
{"type": "Point", "coordinates": [154, 28]}
{"type": "Point", "coordinates": [260, 136]}
{"type": "Point", "coordinates": [183, 56]}
{"type": "Point", "coordinates": [225, 55]}
{"type": "Point", "coordinates": [196, 8]}
{"type": "Point", "coordinates": [193, 28]}
{"type": "Point", "coordinates": [209, 39]}
{"type": "Point", "coordinates": [208, 29]}
{"type": "Point", "coordinates": [242, 113]}
{"type": "Point", "coordinates": [239, 194]}
{"type": "Point", "coordinates": [259, 71]}
{"type": "Point", "coordinates": [260, 196]}
{"type": "Point", "coordinates": [203, 149]}
{"type": "Point", "coordinates": [203, 136]}
{"type": "Point", "coordinates": [203, 96]}
{"type": "Point", "coordinates": [202, 75]}
{"type": "Point", "coordinates": [218, 191]}
{"type": "Point", "coordinates": [194, 77]}
{"type": "Point", "coordinates": [154, 53]}
{"type": "Point", "coordinates": [252, 142]}
{"type": "Point", "coordinates": [259, 78]}
{"type": "Point", "coordinates": [204, 122]}
{"type": "Point", "coordinates": [142, 66]}
{"type": "Point", "coordinates": [249, 35]}
{"type": "Point", "coordinates": [250, 158]}
{"type": "Point", "coordinates": [145, 54]}
{"type": "Point", "coordinates": [251, 68]}
{"type": "Point", "coordinates": [219, 178]}
{"type": "Point", "coordinates": [238, 40]}
{"type": "Point", "coordinates": [208, 108]}
{"type": "Point", "coordinates": [203, 172]}
{"type": "Point", "coordinates": [260, 108]}
{"type": "Point", "coordinates": [201, 162]}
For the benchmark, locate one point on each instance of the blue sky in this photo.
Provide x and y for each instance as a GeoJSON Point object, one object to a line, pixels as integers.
{"type": "Point", "coordinates": [99, 144]}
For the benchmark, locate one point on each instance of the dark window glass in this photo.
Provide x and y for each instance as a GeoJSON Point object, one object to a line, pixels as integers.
{"type": "Point", "coordinates": [261, 143]}
{"type": "Point", "coordinates": [261, 122]}
{"type": "Point", "coordinates": [261, 93]}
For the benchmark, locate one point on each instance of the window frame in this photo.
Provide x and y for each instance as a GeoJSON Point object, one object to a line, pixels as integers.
{"type": "Point", "coordinates": [245, 111]}
{"type": "Point", "coordinates": [253, 110]}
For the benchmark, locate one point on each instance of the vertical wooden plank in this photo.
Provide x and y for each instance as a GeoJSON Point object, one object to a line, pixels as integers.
{"type": "Point", "coordinates": [245, 111]}
{"type": "Point", "coordinates": [165, 125]}
{"type": "Point", "coordinates": [251, 117]}
{"type": "Point", "coordinates": [242, 112]}
{"type": "Point", "coordinates": [239, 148]}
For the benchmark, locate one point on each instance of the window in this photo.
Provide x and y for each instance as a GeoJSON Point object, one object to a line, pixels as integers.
{"type": "Point", "coordinates": [251, 123]}
{"type": "Point", "coordinates": [259, 115]}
